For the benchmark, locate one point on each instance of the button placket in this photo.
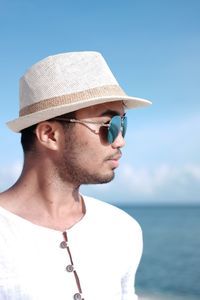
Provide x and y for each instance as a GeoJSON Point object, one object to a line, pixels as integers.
{"type": "Point", "coordinates": [70, 267]}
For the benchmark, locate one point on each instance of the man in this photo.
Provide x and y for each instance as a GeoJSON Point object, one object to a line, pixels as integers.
{"type": "Point", "coordinates": [56, 243]}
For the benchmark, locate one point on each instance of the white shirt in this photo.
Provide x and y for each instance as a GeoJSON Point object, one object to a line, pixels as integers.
{"type": "Point", "coordinates": [106, 247]}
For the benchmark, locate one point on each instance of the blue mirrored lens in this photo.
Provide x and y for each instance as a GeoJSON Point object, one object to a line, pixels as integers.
{"type": "Point", "coordinates": [115, 126]}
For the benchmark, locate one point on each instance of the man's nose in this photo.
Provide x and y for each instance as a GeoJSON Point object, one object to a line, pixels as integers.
{"type": "Point", "coordinates": [119, 142]}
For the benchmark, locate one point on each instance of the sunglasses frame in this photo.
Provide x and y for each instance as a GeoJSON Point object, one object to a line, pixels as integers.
{"type": "Point", "coordinates": [109, 140]}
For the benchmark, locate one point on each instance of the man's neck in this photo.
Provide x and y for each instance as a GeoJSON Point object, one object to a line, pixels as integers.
{"type": "Point", "coordinates": [47, 203]}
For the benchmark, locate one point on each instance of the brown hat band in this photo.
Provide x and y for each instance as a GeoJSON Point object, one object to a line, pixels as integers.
{"type": "Point", "coordinates": [103, 91]}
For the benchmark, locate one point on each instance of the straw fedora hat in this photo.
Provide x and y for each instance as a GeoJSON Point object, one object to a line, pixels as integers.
{"type": "Point", "coordinates": [64, 83]}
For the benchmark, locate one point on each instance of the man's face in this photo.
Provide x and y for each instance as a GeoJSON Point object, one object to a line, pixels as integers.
{"type": "Point", "coordinates": [87, 157]}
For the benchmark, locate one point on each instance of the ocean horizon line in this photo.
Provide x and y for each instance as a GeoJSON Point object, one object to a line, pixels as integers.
{"type": "Point", "coordinates": [156, 204]}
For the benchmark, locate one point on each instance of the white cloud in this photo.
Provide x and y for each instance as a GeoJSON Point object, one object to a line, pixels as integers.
{"type": "Point", "coordinates": [165, 183]}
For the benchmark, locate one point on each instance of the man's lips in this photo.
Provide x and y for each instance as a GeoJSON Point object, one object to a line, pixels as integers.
{"type": "Point", "coordinates": [117, 157]}
{"type": "Point", "coordinates": [114, 159]}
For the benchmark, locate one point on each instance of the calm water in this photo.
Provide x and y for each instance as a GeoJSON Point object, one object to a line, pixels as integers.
{"type": "Point", "coordinates": [170, 266]}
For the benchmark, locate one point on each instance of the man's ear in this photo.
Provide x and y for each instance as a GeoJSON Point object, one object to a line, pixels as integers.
{"type": "Point", "coordinates": [47, 134]}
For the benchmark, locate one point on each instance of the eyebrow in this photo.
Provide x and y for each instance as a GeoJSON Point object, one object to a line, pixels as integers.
{"type": "Point", "coordinates": [111, 113]}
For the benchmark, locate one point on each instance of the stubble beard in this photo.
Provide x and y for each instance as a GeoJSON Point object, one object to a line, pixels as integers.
{"type": "Point", "coordinates": [70, 169]}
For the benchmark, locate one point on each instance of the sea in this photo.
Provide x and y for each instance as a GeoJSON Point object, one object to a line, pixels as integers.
{"type": "Point", "coordinates": [170, 265]}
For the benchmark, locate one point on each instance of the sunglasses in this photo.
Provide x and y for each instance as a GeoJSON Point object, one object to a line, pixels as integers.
{"type": "Point", "coordinates": [116, 125]}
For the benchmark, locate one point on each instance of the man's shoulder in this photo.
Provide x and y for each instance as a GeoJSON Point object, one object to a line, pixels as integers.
{"type": "Point", "coordinates": [110, 213]}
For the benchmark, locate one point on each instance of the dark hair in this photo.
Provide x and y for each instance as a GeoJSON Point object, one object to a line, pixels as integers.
{"type": "Point", "coordinates": [28, 136]}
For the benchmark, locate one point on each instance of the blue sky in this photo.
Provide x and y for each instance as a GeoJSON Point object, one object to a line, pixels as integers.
{"type": "Point", "coordinates": [153, 49]}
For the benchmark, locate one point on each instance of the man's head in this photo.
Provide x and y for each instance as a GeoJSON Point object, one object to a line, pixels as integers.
{"type": "Point", "coordinates": [72, 112]}
{"type": "Point", "coordinates": [65, 83]}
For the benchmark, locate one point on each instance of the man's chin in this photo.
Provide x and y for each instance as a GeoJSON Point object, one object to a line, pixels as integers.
{"type": "Point", "coordinates": [97, 179]}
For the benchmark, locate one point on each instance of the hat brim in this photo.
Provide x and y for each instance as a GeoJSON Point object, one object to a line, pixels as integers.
{"type": "Point", "coordinates": [26, 121]}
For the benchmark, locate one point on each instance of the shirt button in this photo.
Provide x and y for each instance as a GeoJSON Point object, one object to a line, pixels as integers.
{"type": "Point", "coordinates": [63, 244]}
{"type": "Point", "coordinates": [77, 296]}
{"type": "Point", "coordinates": [70, 268]}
